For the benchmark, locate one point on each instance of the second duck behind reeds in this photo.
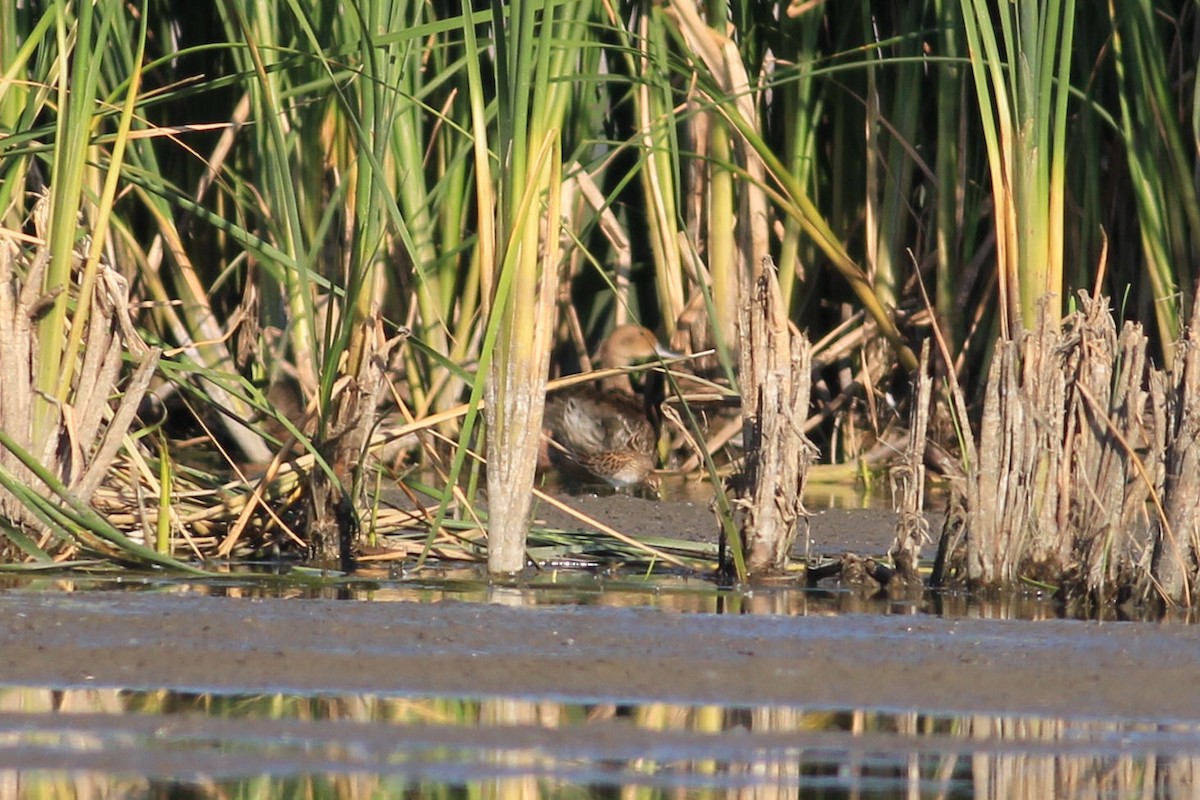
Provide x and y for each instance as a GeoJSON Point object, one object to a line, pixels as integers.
{"type": "Point", "coordinates": [604, 433]}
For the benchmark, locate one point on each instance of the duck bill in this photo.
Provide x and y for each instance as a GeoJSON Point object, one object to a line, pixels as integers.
{"type": "Point", "coordinates": [666, 352]}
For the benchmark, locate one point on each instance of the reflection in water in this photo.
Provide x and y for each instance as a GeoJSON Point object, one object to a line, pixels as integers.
{"type": "Point", "coordinates": [115, 743]}
{"type": "Point", "coordinates": [675, 593]}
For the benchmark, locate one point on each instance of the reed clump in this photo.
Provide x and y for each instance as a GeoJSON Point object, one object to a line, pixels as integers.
{"type": "Point", "coordinates": [1079, 476]}
{"type": "Point", "coordinates": [60, 450]}
{"type": "Point", "coordinates": [282, 188]}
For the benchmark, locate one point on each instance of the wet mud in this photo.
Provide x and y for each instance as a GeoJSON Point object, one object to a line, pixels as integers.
{"type": "Point", "coordinates": [195, 643]}
{"type": "Point", "coordinates": [828, 531]}
{"type": "Point", "coordinates": [1127, 687]}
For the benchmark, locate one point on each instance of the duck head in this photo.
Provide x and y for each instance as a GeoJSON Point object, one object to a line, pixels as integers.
{"type": "Point", "coordinates": [627, 346]}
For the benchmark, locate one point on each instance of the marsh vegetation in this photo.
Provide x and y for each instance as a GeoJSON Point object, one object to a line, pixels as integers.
{"type": "Point", "coordinates": [283, 280]}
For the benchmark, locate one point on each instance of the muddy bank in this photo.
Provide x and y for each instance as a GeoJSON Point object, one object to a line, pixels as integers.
{"type": "Point", "coordinates": [831, 531]}
{"type": "Point", "coordinates": [929, 664]}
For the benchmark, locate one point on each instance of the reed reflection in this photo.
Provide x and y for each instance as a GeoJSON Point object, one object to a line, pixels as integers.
{"type": "Point", "coordinates": [110, 742]}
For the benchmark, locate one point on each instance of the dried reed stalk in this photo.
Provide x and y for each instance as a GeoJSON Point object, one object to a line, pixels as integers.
{"type": "Point", "coordinates": [333, 524]}
{"type": "Point", "coordinates": [1059, 489]}
{"type": "Point", "coordinates": [80, 448]}
{"type": "Point", "coordinates": [908, 489]}
{"type": "Point", "coordinates": [728, 258]}
{"type": "Point", "coordinates": [776, 379]}
{"type": "Point", "coordinates": [1176, 533]}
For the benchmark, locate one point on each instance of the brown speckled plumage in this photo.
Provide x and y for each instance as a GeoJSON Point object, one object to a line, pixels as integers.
{"type": "Point", "coordinates": [604, 433]}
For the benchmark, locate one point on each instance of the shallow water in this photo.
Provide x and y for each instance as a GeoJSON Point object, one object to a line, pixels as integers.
{"type": "Point", "coordinates": [577, 686]}
{"type": "Point", "coordinates": [551, 588]}
{"type": "Point", "coordinates": [578, 683]}
{"type": "Point", "coordinates": [128, 743]}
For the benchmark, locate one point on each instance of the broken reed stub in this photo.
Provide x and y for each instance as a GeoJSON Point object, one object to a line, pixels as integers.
{"type": "Point", "coordinates": [776, 373]}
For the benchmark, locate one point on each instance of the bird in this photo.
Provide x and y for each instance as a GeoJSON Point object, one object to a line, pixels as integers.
{"type": "Point", "coordinates": [603, 433]}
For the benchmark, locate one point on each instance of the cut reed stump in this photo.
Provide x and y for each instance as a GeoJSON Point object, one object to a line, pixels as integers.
{"type": "Point", "coordinates": [1175, 565]}
{"type": "Point", "coordinates": [335, 487]}
{"type": "Point", "coordinates": [776, 370]}
{"type": "Point", "coordinates": [908, 492]}
{"type": "Point", "coordinates": [50, 474]}
{"type": "Point", "coordinates": [1072, 483]}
